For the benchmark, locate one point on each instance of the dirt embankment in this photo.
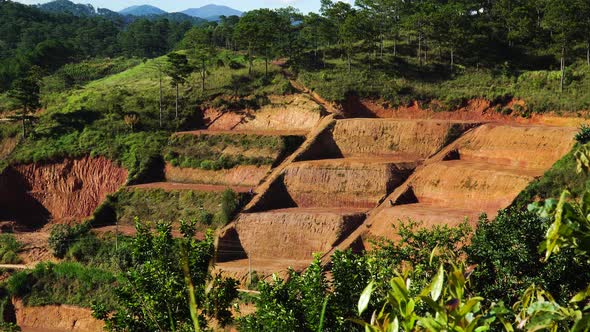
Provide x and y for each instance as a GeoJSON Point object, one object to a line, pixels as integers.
{"type": "Point", "coordinates": [294, 234]}
{"type": "Point", "coordinates": [477, 109]}
{"type": "Point", "coordinates": [418, 139]}
{"type": "Point", "coordinates": [291, 112]}
{"type": "Point", "coordinates": [62, 318]}
{"type": "Point", "coordinates": [528, 147]}
{"type": "Point", "coordinates": [245, 175]}
{"type": "Point", "coordinates": [62, 192]}
{"type": "Point", "coordinates": [344, 182]}
{"type": "Point", "coordinates": [483, 171]}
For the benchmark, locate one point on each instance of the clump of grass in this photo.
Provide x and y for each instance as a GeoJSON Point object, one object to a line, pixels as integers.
{"type": "Point", "coordinates": [9, 249]}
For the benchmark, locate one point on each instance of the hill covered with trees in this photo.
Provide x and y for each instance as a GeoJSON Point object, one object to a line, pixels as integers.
{"type": "Point", "coordinates": [76, 85]}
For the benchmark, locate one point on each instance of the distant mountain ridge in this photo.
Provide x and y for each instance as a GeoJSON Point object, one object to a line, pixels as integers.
{"type": "Point", "coordinates": [212, 12]}
{"type": "Point", "coordinates": [126, 16]}
{"type": "Point", "coordinates": [142, 10]}
{"type": "Point", "coordinates": [209, 12]}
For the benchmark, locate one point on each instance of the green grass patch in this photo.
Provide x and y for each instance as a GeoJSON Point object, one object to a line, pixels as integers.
{"type": "Point", "coordinates": [9, 249]}
{"type": "Point", "coordinates": [75, 75]}
{"type": "Point", "coordinates": [209, 209]}
{"type": "Point", "coordinates": [63, 283]}
{"type": "Point", "coordinates": [215, 152]}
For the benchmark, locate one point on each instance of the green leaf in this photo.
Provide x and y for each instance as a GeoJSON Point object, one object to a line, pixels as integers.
{"type": "Point", "coordinates": [365, 298]}
{"type": "Point", "coordinates": [437, 284]}
{"type": "Point", "coordinates": [394, 326]}
{"type": "Point", "coordinates": [431, 324]}
{"type": "Point", "coordinates": [581, 296]}
{"type": "Point", "coordinates": [471, 303]}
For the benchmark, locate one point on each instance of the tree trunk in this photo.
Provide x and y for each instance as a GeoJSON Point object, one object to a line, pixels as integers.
{"type": "Point", "coordinates": [420, 50]}
{"type": "Point", "coordinates": [203, 74]}
{"type": "Point", "coordinates": [24, 122]}
{"type": "Point", "coordinates": [249, 61]}
{"type": "Point", "coordinates": [161, 108]}
{"type": "Point", "coordinates": [588, 53]}
{"type": "Point", "coordinates": [452, 59]}
{"type": "Point", "coordinates": [176, 101]}
{"type": "Point", "coordinates": [562, 69]}
{"type": "Point", "coordinates": [349, 63]}
{"type": "Point", "coordinates": [382, 44]}
{"type": "Point", "coordinates": [394, 47]}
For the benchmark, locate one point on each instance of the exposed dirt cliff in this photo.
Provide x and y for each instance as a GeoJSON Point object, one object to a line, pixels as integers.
{"type": "Point", "coordinates": [349, 182]}
{"type": "Point", "coordinates": [66, 191]}
{"type": "Point", "coordinates": [291, 112]}
{"type": "Point", "coordinates": [292, 234]}
{"type": "Point", "coordinates": [377, 137]}
{"type": "Point", "coordinates": [481, 172]}
{"type": "Point", "coordinates": [63, 318]}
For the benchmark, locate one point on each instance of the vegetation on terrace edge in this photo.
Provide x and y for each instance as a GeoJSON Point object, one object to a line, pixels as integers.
{"type": "Point", "coordinates": [210, 209]}
{"type": "Point", "coordinates": [215, 152]}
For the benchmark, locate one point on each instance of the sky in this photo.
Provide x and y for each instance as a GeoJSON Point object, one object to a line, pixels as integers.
{"type": "Point", "coordinates": [178, 5]}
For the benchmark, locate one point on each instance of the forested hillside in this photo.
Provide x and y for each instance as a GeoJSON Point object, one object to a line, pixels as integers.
{"type": "Point", "coordinates": [383, 166]}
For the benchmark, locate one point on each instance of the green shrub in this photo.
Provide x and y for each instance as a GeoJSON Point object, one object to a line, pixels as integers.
{"type": "Point", "coordinates": [63, 236]}
{"type": "Point", "coordinates": [583, 135]}
{"type": "Point", "coordinates": [506, 250]}
{"type": "Point", "coordinates": [9, 249]}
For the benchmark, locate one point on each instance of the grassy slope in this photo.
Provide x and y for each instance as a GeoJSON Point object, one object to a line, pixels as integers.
{"type": "Point", "coordinates": [91, 119]}
{"type": "Point", "coordinates": [400, 80]}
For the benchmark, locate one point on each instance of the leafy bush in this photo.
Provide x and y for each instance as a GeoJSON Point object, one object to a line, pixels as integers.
{"type": "Point", "coordinates": [153, 293]}
{"type": "Point", "coordinates": [507, 252]}
{"type": "Point", "coordinates": [62, 237]}
{"type": "Point", "coordinates": [583, 135]}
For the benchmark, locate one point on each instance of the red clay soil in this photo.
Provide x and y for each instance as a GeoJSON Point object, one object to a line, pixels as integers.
{"type": "Point", "coordinates": [62, 318]}
{"type": "Point", "coordinates": [475, 110]}
{"type": "Point", "coordinates": [35, 246]}
{"type": "Point", "coordinates": [189, 186]}
{"type": "Point", "coordinates": [345, 182]}
{"type": "Point", "coordinates": [245, 132]}
{"type": "Point", "coordinates": [69, 190]}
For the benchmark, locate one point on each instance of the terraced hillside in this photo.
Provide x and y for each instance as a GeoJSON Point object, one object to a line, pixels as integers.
{"type": "Point", "coordinates": [360, 176]}
{"type": "Point", "coordinates": [324, 195]}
